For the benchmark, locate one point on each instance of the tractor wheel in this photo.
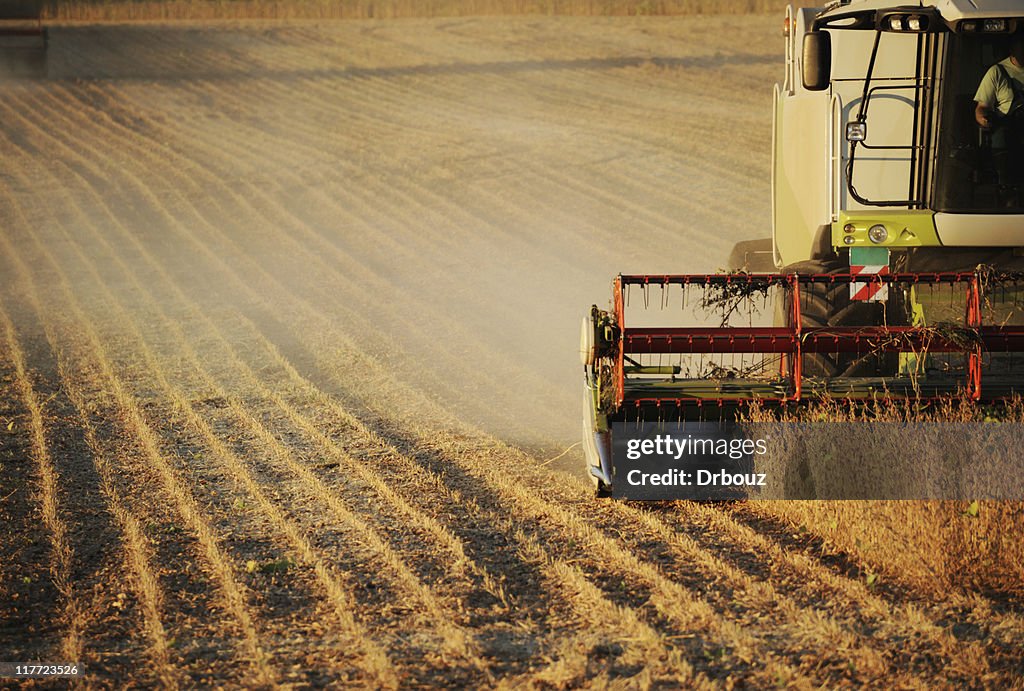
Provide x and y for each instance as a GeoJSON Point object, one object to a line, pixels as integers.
{"type": "Point", "coordinates": [829, 304]}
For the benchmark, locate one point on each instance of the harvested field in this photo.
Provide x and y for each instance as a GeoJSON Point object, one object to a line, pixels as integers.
{"type": "Point", "coordinates": [288, 332]}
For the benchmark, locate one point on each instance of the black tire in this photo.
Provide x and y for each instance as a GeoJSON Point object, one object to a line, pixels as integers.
{"type": "Point", "coordinates": [752, 256]}
{"type": "Point", "coordinates": [828, 304]}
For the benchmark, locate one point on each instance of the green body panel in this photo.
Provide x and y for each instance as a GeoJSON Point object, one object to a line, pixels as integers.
{"type": "Point", "coordinates": [906, 228]}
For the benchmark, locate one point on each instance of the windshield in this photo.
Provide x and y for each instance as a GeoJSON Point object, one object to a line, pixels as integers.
{"type": "Point", "coordinates": [977, 169]}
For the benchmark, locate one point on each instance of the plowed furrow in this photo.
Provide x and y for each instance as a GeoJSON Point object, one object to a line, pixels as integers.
{"type": "Point", "coordinates": [207, 385]}
{"type": "Point", "coordinates": [29, 601]}
{"type": "Point", "coordinates": [624, 578]}
{"type": "Point", "coordinates": [673, 608]}
{"type": "Point", "coordinates": [59, 558]}
{"type": "Point", "coordinates": [143, 256]}
{"type": "Point", "coordinates": [179, 603]}
{"type": "Point", "coordinates": [186, 505]}
{"type": "Point", "coordinates": [464, 499]}
{"type": "Point", "coordinates": [138, 555]}
{"type": "Point", "coordinates": [182, 410]}
{"type": "Point", "coordinates": [43, 554]}
{"type": "Point", "coordinates": [270, 483]}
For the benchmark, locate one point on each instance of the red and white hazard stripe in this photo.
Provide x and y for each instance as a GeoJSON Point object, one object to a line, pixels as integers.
{"type": "Point", "coordinates": [873, 291]}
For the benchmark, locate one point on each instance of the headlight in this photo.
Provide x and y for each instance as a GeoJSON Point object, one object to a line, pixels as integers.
{"type": "Point", "coordinates": [920, 21]}
{"type": "Point", "coordinates": [849, 228]}
{"type": "Point", "coordinates": [878, 234]}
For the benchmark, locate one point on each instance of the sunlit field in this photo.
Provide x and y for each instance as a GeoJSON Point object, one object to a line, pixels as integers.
{"type": "Point", "coordinates": [288, 352]}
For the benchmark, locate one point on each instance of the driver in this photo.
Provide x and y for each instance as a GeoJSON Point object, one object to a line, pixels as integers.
{"type": "Point", "coordinates": [999, 109]}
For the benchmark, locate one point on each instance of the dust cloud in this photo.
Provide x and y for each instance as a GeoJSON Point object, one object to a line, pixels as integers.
{"type": "Point", "coordinates": [451, 199]}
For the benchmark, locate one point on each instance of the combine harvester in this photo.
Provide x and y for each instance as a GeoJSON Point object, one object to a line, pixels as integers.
{"type": "Point", "coordinates": [23, 39]}
{"type": "Point", "coordinates": [893, 267]}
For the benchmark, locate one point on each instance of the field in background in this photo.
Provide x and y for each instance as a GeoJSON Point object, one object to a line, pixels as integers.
{"type": "Point", "coordinates": [145, 10]}
{"type": "Point", "coordinates": [288, 333]}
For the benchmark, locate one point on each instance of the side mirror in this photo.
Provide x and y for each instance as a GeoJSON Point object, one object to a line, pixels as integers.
{"type": "Point", "coordinates": [817, 60]}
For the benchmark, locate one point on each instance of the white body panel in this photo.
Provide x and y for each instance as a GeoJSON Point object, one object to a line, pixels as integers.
{"type": "Point", "coordinates": [801, 187]}
{"type": "Point", "coordinates": [953, 10]}
{"type": "Point", "coordinates": [980, 230]}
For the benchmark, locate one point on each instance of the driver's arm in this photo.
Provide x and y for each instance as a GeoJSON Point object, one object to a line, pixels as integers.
{"type": "Point", "coordinates": [983, 115]}
{"type": "Point", "coordinates": [987, 98]}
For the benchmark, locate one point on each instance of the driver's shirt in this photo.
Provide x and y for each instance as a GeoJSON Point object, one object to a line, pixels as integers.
{"type": "Point", "coordinates": [995, 89]}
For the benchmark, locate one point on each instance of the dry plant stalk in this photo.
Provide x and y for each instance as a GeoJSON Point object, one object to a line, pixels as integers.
{"type": "Point", "coordinates": [934, 545]}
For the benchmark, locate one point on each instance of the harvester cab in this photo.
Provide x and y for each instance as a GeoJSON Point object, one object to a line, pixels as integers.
{"type": "Point", "coordinates": [894, 263]}
{"type": "Point", "coordinates": [24, 39]}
